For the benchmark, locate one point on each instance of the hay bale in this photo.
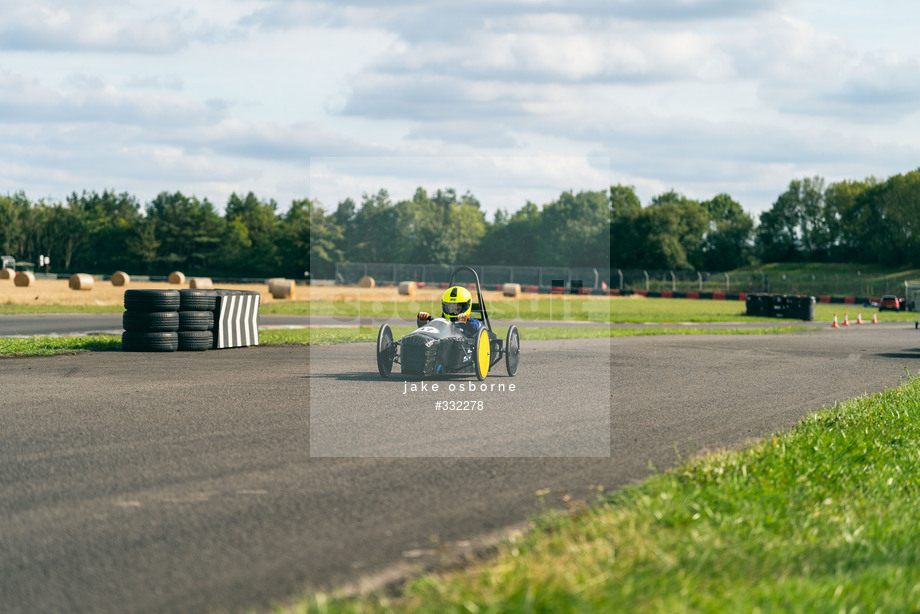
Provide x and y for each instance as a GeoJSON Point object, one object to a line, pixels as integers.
{"type": "Point", "coordinates": [200, 283]}
{"type": "Point", "coordinates": [511, 289]}
{"type": "Point", "coordinates": [409, 288]}
{"type": "Point", "coordinates": [120, 278]}
{"type": "Point", "coordinates": [81, 281]}
{"type": "Point", "coordinates": [281, 288]}
{"type": "Point", "coordinates": [24, 279]}
{"type": "Point", "coordinates": [367, 282]}
{"type": "Point", "coordinates": [177, 277]}
{"type": "Point", "coordinates": [7, 273]}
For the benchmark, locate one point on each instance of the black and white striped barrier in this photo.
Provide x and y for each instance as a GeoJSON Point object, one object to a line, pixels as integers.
{"type": "Point", "coordinates": [236, 319]}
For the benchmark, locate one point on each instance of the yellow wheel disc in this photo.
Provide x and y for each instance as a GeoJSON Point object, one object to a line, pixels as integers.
{"type": "Point", "coordinates": [485, 353]}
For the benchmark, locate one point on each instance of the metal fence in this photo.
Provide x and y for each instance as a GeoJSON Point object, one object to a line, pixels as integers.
{"type": "Point", "coordinates": [350, 272]}
{"type": "Point", "coordinates": [816, 284]}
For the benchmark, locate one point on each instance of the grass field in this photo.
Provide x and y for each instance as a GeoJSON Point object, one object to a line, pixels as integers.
{"type": "Point", "coordinates": [820, 519]}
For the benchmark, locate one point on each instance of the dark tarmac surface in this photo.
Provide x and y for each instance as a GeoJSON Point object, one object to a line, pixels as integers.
{"type": "Point", "coordinates": [184, 482]}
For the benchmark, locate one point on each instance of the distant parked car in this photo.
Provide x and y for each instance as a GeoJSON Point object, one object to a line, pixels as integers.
{"type": "Point", "coordinates": [889, 301]}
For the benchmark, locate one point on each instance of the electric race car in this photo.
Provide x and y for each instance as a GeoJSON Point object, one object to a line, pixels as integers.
{"type": "Point", "coordinates": [442, 347]}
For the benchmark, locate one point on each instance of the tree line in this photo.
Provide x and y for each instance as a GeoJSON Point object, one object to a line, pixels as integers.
{"type": "Point", "coordinates": [868, 221]}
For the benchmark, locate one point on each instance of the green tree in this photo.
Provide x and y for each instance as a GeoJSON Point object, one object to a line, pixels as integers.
{"type": "Point", "coordinates": [252, 225]}
{"type": "Point", "coordinates": [294, 239]}
{"type": "Point", "coordinates": [189, 232]}
{"type": "Point", "coordinates": [674, 226]}
{"type": "Point", "coordinates": [14, 213]}
{"type": "Point", "coordinates": [627, 243]}
{"type": "Point", "coordinates": [375, 233]}
{"type": "Point", "coordinates": [778, 235]}
{"type": "Point", "coordinates": [325, 237]}
{"type": "Point", "coordinates": [442, 228]}
{"type": "Point", "coordinates": [840, 201]}
{"type": "Point", "coordinates": [798, 226]}
{"type": "Point", "coordinates": [105, 222]}
{"type": "Point", "coordinates": [576, 227]}
{"type": "Point", "coordinates": [726, 244]}
{"type": "Point", "coordinates": [623, 200]}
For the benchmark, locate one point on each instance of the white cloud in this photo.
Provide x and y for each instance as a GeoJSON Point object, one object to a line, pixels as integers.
{"type": "Point", "coordinates": [92, 100]}
{"type": "Point", "coordinates": [701, 96]}
{"type": "Point", "coordinates": [33, 26]}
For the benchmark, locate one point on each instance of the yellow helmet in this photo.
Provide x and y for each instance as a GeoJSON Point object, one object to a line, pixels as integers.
{"type": "Point", "coordinates": [456, 300]}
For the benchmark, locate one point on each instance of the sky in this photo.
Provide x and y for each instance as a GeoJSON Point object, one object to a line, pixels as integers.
{"type": "Point", "coordinates": [512, 100]}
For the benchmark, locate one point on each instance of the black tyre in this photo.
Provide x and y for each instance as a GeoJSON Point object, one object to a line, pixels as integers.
{"type": "Point", "coordinates": [152, 300]}
{"type": "Point", "coordinates": [134, 341]}
{"type": "Point", "coordinates": [512, 350]}
{"type": "Point", "coordinates": [195, 340]}
{"type": "Point", "coordinates": [196, 320]}
{"type": "Point", "coordinates": [197, 300]}
{"type": "Point", "coordinates": [150, 321]}
{"type": "Point", "coordinates": [386, 351]}
{"type": "Point", "coordinates": [482, 354]}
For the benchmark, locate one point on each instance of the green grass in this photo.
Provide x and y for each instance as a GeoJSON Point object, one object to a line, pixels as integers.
{"type": "Point", "coordinates": [556, 309]}
{"type": "Point", "coordinates": [617, 310]}
{"type": "Point", "coordinates": [8, 308]}
{"type": "Point", "coordinates": [50, 346]}
{"type": "Point", "coordinates": [822, 518]}
{"type": "Point", "coordinates": [328, 336]}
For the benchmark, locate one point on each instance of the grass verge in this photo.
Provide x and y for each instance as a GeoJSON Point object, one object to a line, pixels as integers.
{"type": "Point", "coordinates": [50, 346]}
{"type": "Point", "coordinates": [617, 310]}
{"type": "Point", "coordinates": [328, 336]}
{"type": "Point", "coordinates": [664, 310]}
{"type": "Point", "coordinates": [14, 308]}
{"type": "Point", "coordinates": [819, 519]}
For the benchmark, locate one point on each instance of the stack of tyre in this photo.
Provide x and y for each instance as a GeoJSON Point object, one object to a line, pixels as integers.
{"type": "Point", "coordinates": [168, 320]}
{"type": "Point", "coordinates": [196, 319]}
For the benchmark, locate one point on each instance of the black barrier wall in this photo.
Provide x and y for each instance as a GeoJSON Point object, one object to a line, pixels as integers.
{"type": "Point", "coordinates": [793, 307]}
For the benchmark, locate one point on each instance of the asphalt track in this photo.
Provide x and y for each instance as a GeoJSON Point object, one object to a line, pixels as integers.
{"type": "Point", "coordinates": [184, 482]}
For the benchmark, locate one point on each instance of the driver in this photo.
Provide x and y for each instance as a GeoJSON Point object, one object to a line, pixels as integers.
{"type": "Point", "coordinates": [456, 305]}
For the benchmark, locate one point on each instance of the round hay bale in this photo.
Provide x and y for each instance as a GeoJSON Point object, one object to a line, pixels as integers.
{"type": "Point", "coordinates": [511, 289]}
{"type": "Point", "coordinates": [281, 288]}
{"type": "Point", "coordinates": [24, 279]}
{"type": "Point", "coordinates": [7, 273]}
{"type": "Point", "coordinates": [409, 288]}
{"type": "Point", "coordinates": [81, 281]}
{"type": "Point", "coordinates": [367, 282]}
{"type": "Point", "coordinates": [120, 278]}
{"type": "Point", "coordinates": [177, 277]}
{"type": "Point", "coordinates": [200, 282]}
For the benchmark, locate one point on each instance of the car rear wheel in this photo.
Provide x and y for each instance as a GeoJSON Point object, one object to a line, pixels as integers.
{"type": "Point", "coordinates": [482, 354]}
{"type": "Point", "coordinates": [512, 350]}
{"type": "Point", "coordinates": [386, 350]}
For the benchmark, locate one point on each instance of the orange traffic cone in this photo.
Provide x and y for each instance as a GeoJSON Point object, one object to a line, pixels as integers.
{"type": "Point", "coordinates": [874, 318]}
{"type": "Point", "coordinates": [859, 318]}
{"type": "Point", "coordinates": [846, 321]}
{"type": "Point", "coordinates": [835, 325]}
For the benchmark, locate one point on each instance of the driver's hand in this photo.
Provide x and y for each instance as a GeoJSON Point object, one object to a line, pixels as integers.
{"type": "Point", "coordinates": [422, 318]}
{"type": "Point", "coordinates": [463, 317]}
